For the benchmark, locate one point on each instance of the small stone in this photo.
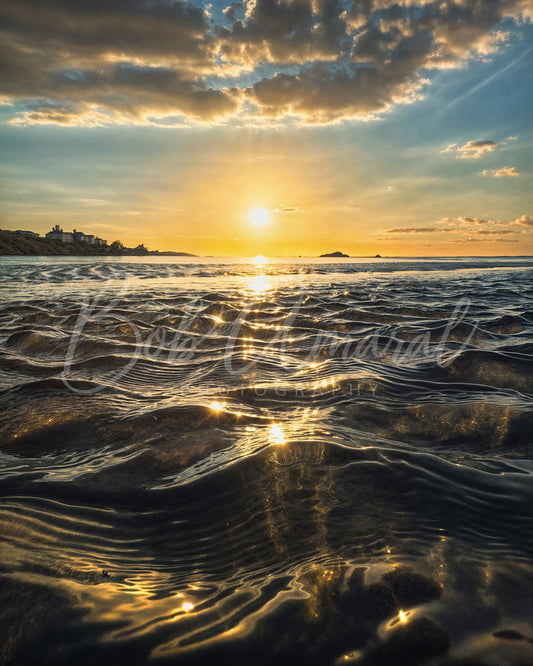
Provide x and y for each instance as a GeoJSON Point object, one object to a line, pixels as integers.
{"type": "Point", "coordinates": [509, 635]}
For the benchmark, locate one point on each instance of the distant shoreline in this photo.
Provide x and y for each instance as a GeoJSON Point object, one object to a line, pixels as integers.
{"type": "Point", "coordinates": [20, 245]}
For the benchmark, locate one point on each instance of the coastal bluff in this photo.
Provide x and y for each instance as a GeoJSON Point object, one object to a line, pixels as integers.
{"type": "Point", "coordinates": [17, 244]}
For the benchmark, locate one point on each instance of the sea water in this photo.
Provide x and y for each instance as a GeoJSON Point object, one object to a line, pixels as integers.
{"type": "Point", "coordinates": [289, 461]}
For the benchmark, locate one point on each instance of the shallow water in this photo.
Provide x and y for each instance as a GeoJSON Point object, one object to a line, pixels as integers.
{"type": "Point", "coordinates": [270, 461]}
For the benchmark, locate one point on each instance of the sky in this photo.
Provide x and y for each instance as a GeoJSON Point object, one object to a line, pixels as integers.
{"type": "Point", "coordinates": [365, 126]}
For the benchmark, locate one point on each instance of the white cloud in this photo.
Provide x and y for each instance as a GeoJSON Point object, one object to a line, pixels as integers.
{"type": "Point", "coordinates": [524, 221]}
{"type": "Point", "coordinates": [501, 173]}
{"type": "Point", "coordinates": [414, 230]}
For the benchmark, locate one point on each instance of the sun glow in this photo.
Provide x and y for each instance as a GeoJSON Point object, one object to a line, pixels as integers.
{"type": "Point", "coordinates": [259, 217]}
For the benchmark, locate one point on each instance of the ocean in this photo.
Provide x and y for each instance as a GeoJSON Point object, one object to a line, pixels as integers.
{"type": "Point", "coordinates": [266, 461]}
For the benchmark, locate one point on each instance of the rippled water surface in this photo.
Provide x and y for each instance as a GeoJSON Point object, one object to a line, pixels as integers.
{"type": "Point", "coordinates": [210, 461]}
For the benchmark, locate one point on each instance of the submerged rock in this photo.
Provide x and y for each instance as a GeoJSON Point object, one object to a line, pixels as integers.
{"type": "Point", "coordinates": [411, 588]}
{"type": "Point", "coordinates": [380, 601]}
{"type": "Point", "coordinates": [413, 642]}
{"type": "Point", "coordinates": [509, 635]}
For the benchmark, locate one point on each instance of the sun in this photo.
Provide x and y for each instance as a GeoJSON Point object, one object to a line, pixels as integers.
{"type": "Point", "coordinates": [259, 216]}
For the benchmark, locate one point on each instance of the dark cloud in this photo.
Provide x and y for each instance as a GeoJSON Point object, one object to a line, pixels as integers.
{"type": "Point", "coordinates": [414, 230]}
{"type": "Point", "coordinates": [489, 232]}
{"type": "Point", "coordinates": [92, 28]}
{"type": "Point", "coordinates": [472, 149]}
{"type": "Point", "coordinates": [494, 239]}
{"type": "Point", "coordinates": [130, 92]}
{"type": "Point", "coordinates": [470, 228]}
{"type": "Point", "coordinates": [285, 31]}
{"type": "Point", "coordinates": [359, 13]}
{"type": "Point", "coordinates": [93, 61]}
{"type": "Point", "coordinates": [467, 221]}
{"type": "Point", "coordinates": [103, 61]}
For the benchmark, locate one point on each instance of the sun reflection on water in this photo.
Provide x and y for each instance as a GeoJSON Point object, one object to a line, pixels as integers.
{"type": "Point", "coordinates": [260, 283]}
{"type": "Point", "coordinates": [276, 435]}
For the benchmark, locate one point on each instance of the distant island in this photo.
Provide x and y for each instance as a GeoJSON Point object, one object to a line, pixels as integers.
{"type": "Point", "coordinates": [335, 254]}
{"type": "Point", "coordinates": [75, 243]}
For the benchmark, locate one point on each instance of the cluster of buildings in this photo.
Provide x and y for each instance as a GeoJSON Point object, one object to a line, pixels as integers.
{"type": "Point", "coordinates": [78, 236]}
{"type": "Point", "coordinates": [66, 236]}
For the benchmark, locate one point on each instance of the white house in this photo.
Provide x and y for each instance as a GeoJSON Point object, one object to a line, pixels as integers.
{"type": "Point", "coordinates": [59, 234]}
